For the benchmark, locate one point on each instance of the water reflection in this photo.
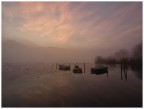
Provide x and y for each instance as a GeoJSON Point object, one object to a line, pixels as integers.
{"type": "Point", "coordinates": [137, 70]}
{"type": "Point", "coordinates": [124, 69]}
{"type": "Point", "coordinates": [56, 88]}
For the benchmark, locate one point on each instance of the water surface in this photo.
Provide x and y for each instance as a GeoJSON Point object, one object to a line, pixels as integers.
{"type": "Point", "coordinates": [42, 85]}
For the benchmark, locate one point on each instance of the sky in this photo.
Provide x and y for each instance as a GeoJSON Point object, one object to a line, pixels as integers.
{"type": "Point", "coordinates": [78, 25]}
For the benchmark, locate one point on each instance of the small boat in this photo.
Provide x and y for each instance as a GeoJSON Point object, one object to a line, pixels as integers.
{"type": "Point", "coordinates": [64, 67]}
{"type": "Point", "coordinates": [77, 69]}
{"type": "Point", "coordinates": [99, 70]}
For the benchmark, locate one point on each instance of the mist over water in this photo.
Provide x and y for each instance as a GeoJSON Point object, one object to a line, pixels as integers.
{"type": "Point", "coordinates": [14, 51]}
{"type": "Point", "coordinates": [42, 85]}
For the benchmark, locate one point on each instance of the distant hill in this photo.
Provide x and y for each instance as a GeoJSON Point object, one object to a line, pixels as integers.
{"type": "Point", "coordinates": [14, 51]}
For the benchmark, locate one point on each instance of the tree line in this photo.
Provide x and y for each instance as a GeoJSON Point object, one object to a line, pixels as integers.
{"type": "Point", "coordinates": [123, 56]}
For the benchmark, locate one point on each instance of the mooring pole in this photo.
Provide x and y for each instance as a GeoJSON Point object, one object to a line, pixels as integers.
{"type": "Point", "coordinates": [56, 65]}
{"type": "Point", "coordinates": [84, 67]}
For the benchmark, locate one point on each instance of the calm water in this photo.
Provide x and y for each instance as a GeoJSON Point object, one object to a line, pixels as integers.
{"type": "Point", "coordinates": [42, 85]}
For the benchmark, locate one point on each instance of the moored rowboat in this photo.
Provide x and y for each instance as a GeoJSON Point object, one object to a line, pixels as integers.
{"type": "Point", "coordinates": [77, 69]}
{"type": "Point", "coordinates": [64, 67]}
{"type": "Point", "coordinates": [99, 70]}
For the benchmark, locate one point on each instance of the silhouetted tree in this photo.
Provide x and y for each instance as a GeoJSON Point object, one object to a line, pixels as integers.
{"type": "Point", "coordinates": [122, 55]}
{"type": "Point", "coordinates": [136, 58]}
{"type": "Point", "coordinates": [137, 51]}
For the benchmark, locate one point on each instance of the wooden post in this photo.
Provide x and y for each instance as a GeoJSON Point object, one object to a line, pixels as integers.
{"type": "Point", "coordinates": [121, 72]}
{"type": "Point", "coordinates": [84, 67]}
{"type": "Point", "coordinates": [56, 65]}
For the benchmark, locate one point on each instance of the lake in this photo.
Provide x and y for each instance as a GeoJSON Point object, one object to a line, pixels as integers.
{"type": "Point", "coordinates": [43, 85]}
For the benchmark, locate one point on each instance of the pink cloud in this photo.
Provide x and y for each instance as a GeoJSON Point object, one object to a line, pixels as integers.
{"type": "Point", "coordinates": [63, 23]}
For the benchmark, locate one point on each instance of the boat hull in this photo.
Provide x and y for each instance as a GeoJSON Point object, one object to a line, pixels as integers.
{"type": "Point", "coordinates": [64, 68]}
{"type": "Point", "coordinates": [99, 70]}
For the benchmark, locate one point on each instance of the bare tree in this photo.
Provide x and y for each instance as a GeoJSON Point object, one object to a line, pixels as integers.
{"type": "Point", "coordinates": [136, 58]}
{"type": "Point", "coordinates": [122, 55]}
{"type": "Point", "coordinates": [137, 52]}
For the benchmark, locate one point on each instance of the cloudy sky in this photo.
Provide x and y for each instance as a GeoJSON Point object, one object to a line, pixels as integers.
{"type": "Point", "coordinates": [95, 25]}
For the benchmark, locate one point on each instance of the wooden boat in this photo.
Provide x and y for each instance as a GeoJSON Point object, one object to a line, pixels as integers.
{"type": "Point", "coordinates": [77, 69]}
{"type": "Point", "coordinates": [64, 67]}
{"type": "Point", "coordinates": [99, 70]}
